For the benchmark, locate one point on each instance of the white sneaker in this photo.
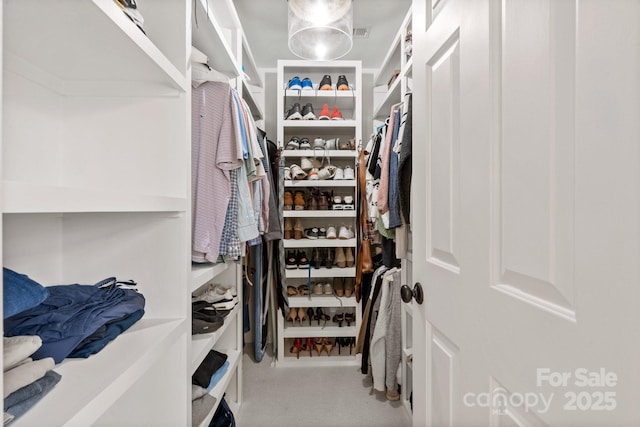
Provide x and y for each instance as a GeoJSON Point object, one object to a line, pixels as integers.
{"type": "Point", "coordinates": [349, 173]}
{"type": "Point", "coordinates": [305, 164]}
{"type": "Point", "coordinates": [327, 288]}
{"type": "Point", "coordinates": [213, 293]}
{"type": "Point", "coordinates": [317, 288]}
{"type": "Point", "coordinates": [339, 173]}
{"type": "Point", "coordinates": [318, 143]}
{"type": "Point", "coordinates": [345, 233]}
{"type": "Point", "coordinates": [331, 232]}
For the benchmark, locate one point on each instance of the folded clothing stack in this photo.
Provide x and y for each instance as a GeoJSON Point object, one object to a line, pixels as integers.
{"type": "Point", "coordinates": [26, 381]}
{"type": "Point", "coordinates": [72, 320]}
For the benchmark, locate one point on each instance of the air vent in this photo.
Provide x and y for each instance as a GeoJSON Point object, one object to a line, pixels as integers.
{"type": "Point", "coordinates": [361, 32]}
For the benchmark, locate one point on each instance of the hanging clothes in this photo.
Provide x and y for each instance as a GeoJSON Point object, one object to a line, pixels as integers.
{"type": "Point", "coordinates": [213, 155]}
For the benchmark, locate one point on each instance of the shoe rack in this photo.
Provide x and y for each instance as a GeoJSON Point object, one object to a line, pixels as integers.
{"type": "Point", "coordinates": [324, 339]}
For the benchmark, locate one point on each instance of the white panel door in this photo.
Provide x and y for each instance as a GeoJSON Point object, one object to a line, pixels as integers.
{"type": "Point", "coordinates": [526, 212]}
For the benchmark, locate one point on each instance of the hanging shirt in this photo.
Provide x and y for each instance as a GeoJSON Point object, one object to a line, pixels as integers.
{"type": "Point", "coordinates": [213, 154]}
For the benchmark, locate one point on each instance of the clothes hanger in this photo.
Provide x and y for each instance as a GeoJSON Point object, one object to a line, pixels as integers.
{"type": "Point", "coordinates": [204, 73]}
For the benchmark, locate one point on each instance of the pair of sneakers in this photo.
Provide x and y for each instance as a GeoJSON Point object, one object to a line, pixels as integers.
{"type": "Point", "coordinates": [296, 143]}
{"type": "Point", "coordinates": [304, 113]}
{"type": "Point", "coordinates": [325, 83]}
{"type": "Point", "coordinates": [335, 113]}
{"type": "Point", "coordinates": [296, 84]}
{"type": "Point", "coordinates": [345, 174]}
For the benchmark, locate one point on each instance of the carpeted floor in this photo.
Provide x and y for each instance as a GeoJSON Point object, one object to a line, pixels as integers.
{"type": "Point", "coordinates": [313, 397]}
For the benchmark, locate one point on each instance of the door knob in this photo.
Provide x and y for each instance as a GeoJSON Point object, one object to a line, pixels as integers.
{"type": "Point", "coordinates": [407, 293]}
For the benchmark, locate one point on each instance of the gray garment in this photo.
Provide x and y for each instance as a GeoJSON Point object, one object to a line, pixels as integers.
{"type": "Point", "coordinates": [25, 374]}
{"type": "Point", "coordinates": [393, 342]}
{"type": "Point", "coordinates": [45, 385]}
{"type": "Point", "coordinates": [200, 408]}
{"type": "Point", "coordinates": [49, 379]}
{"type": "Point", "coordinates": [16, 349]}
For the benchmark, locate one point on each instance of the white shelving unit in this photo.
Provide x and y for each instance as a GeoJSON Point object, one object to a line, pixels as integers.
{"type": "Point", "coordinates": [349, 103]}
{"type": "Point", "coordinates": [227, 339]}
{"type": "Point", "coordinates": [95, 184]}
{"type": "Point", "coordinates": [398, 59]}
{"type": "Point", "coordinates": [217, 32]}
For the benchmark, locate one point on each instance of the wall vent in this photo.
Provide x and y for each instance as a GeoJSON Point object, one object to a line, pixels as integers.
{"type": "Point", "coordinates": [361, 32]}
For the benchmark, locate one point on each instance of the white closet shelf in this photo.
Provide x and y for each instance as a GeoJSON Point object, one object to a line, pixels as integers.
{"type": "Point", "coordinates": [320, 214]}
{"type": "Point", "coordinates": [208, 36]}
{"type": "Point", "coordinates": [321, 183]}
{"type": "Point", "coordinates": [89, 387]}
{"type": "Point", "coordinates": [233, 357]}
{"type": "Point", "coordinates": [320, 243]}
{"type": "Point", "coordinates": [322, 301]}
{"type": "Point", "coordinates": [325, 94]}
{"type": "Point", "coordinates": [304, 124]}
{"type": "Point", "coordinates": [331, 330]}
{"type": "Point", "coordinates": [202, 343]}
{"type": "Point", "coordinates": [249, 63]}
{"type": "Point", "coordinates": [290, 359]}
{"type": "Point", "coordinates": [316, 273]}
{"type": "Point", "coordinates": [203, 273]}
{"type": "Point", "coordinates": [318, 152]}
{"type": "Point", "coordinates": [391, 98]}
{"type": "Point", "coordinates": [24, 197]}
{"type": "Point", "coordinates": [254, 106]}
{"type": "Point", "coordinates": [82, 43]}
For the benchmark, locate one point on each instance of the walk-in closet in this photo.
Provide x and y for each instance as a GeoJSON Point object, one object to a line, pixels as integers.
{"type": "Point", "coordinates": [331, 213]}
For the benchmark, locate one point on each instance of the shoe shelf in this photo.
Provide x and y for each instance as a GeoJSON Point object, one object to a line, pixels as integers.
{"type": "Point", "coordinates": [322, 301]}
{"type": "Point", "coordinates": [319, 243]}
{"type": "Point", "coordinates": [330, 330]}
{"type": "Point", "coordinates": [324, 94]}
{"type": "Point", "coordinates": [202, 343]}
{"type": "Point", "coordinates": [321, 183]}
{"type": "Point", "coordinates": [320, 214]}
{"type": "Point", "coordinates": [305, 124]}
{"type": "Point", "coordinates": [349, 103]}
{"type": "Point", "coordinates": [201, 274]}
{"type": "Point", "coordinates": [303, 273]}
{"type": "Point", "coordinates": [319, 151]}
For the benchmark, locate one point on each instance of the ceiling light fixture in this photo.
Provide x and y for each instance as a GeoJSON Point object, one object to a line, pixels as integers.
{"type": "Point", "coordinates": [320, 29]}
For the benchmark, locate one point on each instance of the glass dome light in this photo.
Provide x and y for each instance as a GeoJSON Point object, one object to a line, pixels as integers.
{"type": "Point", "coordinates": [320, 29]}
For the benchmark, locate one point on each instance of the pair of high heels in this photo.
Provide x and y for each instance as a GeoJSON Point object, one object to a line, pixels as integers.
{"type": "Point", "coordinates": [323, 344]}
{"type": "Point", "coordinates": [344, 317]}
{"type": "Point", "coordinates": [320, 315]}
{"type": "Point", "coordinates": [296, 313]}
{"type": "Point", "coordinates": [300, 345]}
{"type": "Point", "coordinates": [345, 342]}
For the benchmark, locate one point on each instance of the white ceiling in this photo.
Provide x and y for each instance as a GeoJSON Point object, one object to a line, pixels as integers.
{"type": "Point", "coordinates": [265, 26]}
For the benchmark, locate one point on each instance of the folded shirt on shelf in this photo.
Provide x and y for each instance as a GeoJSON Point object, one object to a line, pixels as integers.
{"type": "Point", "coordinates": [16, 349]}
{"type": "Point", "coordinates": [26, 373]}
{"type": "Point", "coordinates": [211, 363]}
{"type": "Point", "coordinates": [20, 401]}
{"type": "Point", "coordinates": [72, 313]}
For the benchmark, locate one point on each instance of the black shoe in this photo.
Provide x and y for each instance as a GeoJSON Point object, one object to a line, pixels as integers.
{"type": "Point", "coordinates": [325, 83]}
{"type": "Point", "coordinates": [294, 113]}
{"type": "Point", "coordinates": [316, 258]}
{"type": "Point", "coordinates": [328, 261]}
{"type": "Point", "coordinates": [303, 261]}
{"type": "Point", "coordinates": [292, 261]}
{"type": "Point", "coordinates": [307, 112]}
{"type": "Point", "coordinates": [343, 84]}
